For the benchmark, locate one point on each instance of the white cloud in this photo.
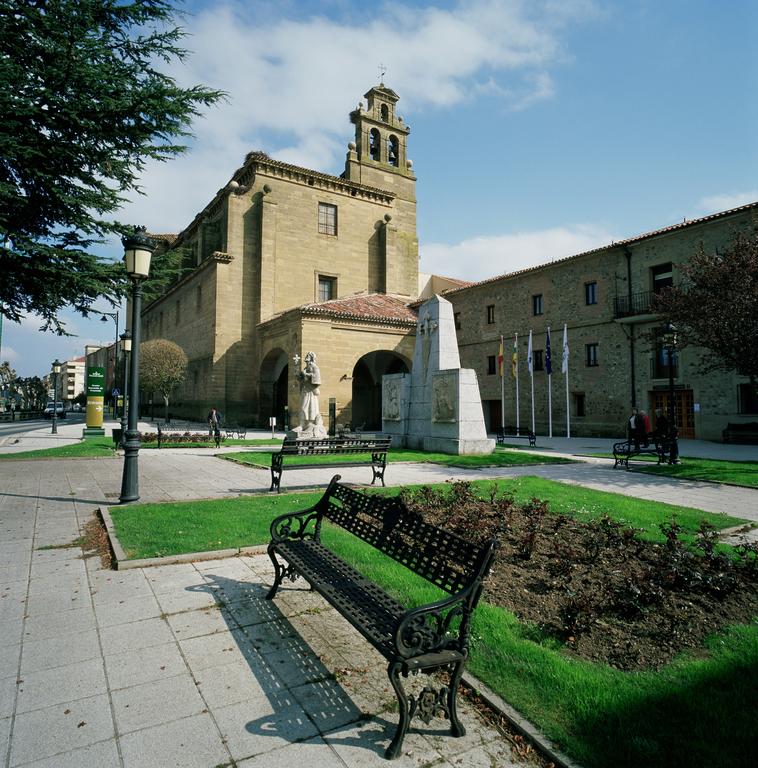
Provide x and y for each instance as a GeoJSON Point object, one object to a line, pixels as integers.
{"type": "Point", "coordinates": [482, 257]}
{"type": "Point", "coordinates": [723, 202]}
{"type": "Point", "coordinates": [8, 354]}
{"type": "Point", "coordinates": [292, 81]}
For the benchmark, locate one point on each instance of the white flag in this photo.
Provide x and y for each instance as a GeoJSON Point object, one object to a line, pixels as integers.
{"type": "Point", "coordinates": [565, 361]}
{"type": "Point", "coordinates": [529, 362]}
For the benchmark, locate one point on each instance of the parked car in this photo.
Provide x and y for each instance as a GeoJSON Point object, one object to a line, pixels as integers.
{"type": "Point", "coordinates": [60, 411]}
{"type": "Point", "coordinates": [76, 407]}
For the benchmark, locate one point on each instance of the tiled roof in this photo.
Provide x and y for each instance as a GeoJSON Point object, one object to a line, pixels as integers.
{"type": "Point", "coordinates": [614, 244]}
{"type": "Point", "coordinates": [163, 238]}
{"type": "Point", "coordinates": [379, 307]}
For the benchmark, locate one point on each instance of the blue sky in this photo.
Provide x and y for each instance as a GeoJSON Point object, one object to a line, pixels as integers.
{"type": "Point", "coordinates": [539, 128]}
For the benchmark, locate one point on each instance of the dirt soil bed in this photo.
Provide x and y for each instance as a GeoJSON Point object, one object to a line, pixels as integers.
{"type": "Point", "coordinates": [608, 595]}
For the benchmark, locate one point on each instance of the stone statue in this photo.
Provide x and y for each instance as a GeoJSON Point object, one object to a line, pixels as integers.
{"type": "Point", "coordinates": [311, 423]}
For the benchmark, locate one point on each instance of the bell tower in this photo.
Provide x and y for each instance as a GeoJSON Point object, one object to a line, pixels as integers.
{"type": "Point", "coordinates": [379, 155]}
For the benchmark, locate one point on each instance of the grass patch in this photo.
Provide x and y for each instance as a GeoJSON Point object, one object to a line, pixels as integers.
{"type": "Point", "coordinates": [743, 473]}
{"type": "Point", "coordinates": [695, 712]}
{"type": "Point", "coordinates": [89, 447]}
{"type": "Point", "coordinates": [497, 459]}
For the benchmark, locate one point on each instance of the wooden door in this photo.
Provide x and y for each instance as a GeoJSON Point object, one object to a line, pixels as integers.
{"type": "Point", "coordinates": [683, 409]}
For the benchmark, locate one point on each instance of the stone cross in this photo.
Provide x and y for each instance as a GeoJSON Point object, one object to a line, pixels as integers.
{"type": "Point", "coordinates": [296, 360]}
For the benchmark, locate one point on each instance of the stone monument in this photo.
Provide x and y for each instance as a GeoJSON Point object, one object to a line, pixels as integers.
{"type": "Point", "coordinates": [437, 407]}
{"type": "Point", "coordinates": [311, 424]}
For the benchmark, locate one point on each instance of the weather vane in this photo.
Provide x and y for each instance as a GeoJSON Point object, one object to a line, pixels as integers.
{"type": "Point", "coordinates": [382, 73]}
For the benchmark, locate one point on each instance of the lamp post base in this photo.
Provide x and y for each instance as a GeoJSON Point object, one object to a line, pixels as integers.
{"type": "Point", "coordinates": [130, 478]}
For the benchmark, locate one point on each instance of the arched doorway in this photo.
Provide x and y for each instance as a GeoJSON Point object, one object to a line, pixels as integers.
{"type": "Point", "coordinates": [273, 392]}
{"type": "Point", "coordinates": [367, 386]}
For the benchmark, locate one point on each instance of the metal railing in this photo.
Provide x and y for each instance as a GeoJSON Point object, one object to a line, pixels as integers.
{"type": "Point", "coordinates": [635, 304]}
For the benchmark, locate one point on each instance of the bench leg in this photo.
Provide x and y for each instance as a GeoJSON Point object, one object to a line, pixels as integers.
{"type": "Point", "coordinates": [456, 726]}
{"type": "Point", "coordinates": [276, 474]}
{"type": "Point", "coordinates": [278, 575]}
{"type": "Point", "coordinates": [378, 465]}
{"type": "Point", "coordinates": [393, 751]}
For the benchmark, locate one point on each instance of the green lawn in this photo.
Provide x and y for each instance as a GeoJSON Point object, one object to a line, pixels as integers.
{"type": "Point", "coordinates": [91, 447]}
{"type": "Point", "coordinates": [697, 712]}
{"type": "Point", "coordinates": [713, 470]}
{"type": "Point", "coordinates": [499, 458]}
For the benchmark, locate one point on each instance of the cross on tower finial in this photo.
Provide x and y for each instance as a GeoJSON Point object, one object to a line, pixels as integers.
{"type": "Point", "coordinates": [382, 72]}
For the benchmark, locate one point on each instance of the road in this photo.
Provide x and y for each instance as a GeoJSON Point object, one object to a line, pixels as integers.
{"type": "Point", "coordinates": [11, 428]}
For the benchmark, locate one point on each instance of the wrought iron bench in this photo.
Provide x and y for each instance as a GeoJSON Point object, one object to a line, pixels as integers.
{"type": "Point", "coordinates": [376, 446]}
{"type": "Point", "coordinates": [659, 447]}
{"type": "Point", "coordinates": [745, 432]}
{"type": "Point", "coordinates": [234, 430]}
{"type": "Point", "coordinates": [424, 639]}
{"type": "Point", "coordinates": [509, 433]}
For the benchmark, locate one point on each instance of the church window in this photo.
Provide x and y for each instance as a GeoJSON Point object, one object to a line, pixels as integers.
{"type": "Point", "coordinates": [490, 314]}
{"type": "Point", "coordinates": [393, 151]}
{"type": "Point", "coordinates": [327, 219]}
{"type": "Point", "coordinates": [327, 288]}
{"type": "Point", "coordinates": [385, 113]}
{"type": "Point", "coordinates": [538, 363]}
{"type": "Point", "coordinates": [491, 365]}
{"type": "Point", "coordinates": [375, 143]}
{"type": "Point", "coordinates": [590, 293]}
{"type": "Point", "coordinates": [591, 355]}
{"type": "Point", "coordinates": [537, 304]}
{"type": "Point", "coordinates": [580, 404]}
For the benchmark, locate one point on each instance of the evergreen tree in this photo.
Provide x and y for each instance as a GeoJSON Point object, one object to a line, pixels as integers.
{"type": "Point", "coordinates": [84, 107]}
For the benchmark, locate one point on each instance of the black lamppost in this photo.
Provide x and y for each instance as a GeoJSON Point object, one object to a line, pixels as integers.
{"type": "Point", "coordinates": [669, 342]}
{"type": "Point", "coordinates": [126, 345]}
{"type": "Point", "coordinates": [104, 319]}
{"type": "Point", "coordinates": [138, 248]}
{"type": "Point", "coordinates": [56, 371]}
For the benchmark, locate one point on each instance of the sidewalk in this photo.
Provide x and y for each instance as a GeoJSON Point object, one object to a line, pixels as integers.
{"type": "Point", "coordinates": [186, 665]}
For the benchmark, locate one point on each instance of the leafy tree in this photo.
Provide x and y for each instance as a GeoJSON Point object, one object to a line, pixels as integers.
{"type": "Point", "coordinates": [7, 377]}
{"type": "Point", "coordinates": [162, 367]}
{"type": "Point", "coordinates": [716, 306]}
{"type": "Point", "coordinates": [33, 392]}
{"type": "Point", "coordinates": [84, 108]}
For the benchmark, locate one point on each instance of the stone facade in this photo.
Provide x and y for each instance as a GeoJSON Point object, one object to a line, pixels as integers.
{"type": "Point", "coordinates": [624, 367]}
{"type": "Point", "coordinates": [277, 238]}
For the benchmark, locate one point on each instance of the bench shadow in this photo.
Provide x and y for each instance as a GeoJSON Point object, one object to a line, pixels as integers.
{"type": "Point", "coordinates": [304, 698]}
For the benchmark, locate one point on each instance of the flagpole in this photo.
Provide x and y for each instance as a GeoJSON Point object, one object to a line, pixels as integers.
{"type": "Point", "coordinates": [518, 425]}
{"type": "Point", "coordinates": [565, 369]}
{"type": "Point", "coordinates": [549, 396]}
{"type": "Point", "coordinates": [531, 376]}
{"type": "Point", "coordinates": [502, 386]}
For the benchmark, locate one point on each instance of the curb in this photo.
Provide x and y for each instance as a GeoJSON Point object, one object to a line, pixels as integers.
{"type": "Point", "coordinates": [122, 563]}
{"type": "Point", "coordinates": [519, 723]}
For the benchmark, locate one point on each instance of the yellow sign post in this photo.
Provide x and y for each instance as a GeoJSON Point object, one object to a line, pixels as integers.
{"type": "Point", "coordinates": [95, 401]}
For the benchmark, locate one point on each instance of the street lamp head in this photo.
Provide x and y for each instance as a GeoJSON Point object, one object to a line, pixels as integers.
{"type": "Point", "coordinates": [669, 334]}
{"type": "Point", "coordinates": [138, 248]}
{"type": "Point", "coordinates": [126, 341]}
{"type": "Point", "coordinates": [56, 366]}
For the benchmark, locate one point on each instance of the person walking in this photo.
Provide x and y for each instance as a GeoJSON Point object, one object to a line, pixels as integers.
{"type": "Point", "coordinates": [645, 428]}
{"type": "Point", "coordinates": [214, 426]}
{"type": "Point", "coordinates": [634, 428]}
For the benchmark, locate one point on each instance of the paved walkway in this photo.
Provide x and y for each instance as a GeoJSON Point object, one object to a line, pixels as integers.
{"type": "Point", "coordinates": [186, 665]}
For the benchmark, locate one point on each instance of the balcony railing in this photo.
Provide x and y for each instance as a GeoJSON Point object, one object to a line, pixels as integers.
{"type": "Point", "coordinates": [636, 304]}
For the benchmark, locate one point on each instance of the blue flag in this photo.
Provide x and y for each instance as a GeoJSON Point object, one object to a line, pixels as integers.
{"type": "Point", "coordinates": [548, 361]}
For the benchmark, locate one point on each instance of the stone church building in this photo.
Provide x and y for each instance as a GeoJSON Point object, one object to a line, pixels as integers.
{"type": "Point", "coordinates": [289, 260]}
{"type": "Point", "coordinates": [285, 260]}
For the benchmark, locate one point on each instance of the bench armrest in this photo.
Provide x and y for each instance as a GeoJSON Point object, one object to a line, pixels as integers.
{"type": "Point", "coordinates": [427, 629]}
{"type": "Point", "coordinates": [296, 525]}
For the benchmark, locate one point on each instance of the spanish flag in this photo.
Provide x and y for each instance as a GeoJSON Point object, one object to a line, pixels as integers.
{"type": "Point", "coordinates": [500, 359]}
{"type": "Point", "coordinates": [514, 359]}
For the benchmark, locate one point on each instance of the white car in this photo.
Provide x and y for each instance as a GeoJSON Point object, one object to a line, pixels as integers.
{"type": "Point", "coordinates": [60, 411]}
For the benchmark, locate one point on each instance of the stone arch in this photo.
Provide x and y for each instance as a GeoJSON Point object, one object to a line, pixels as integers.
{"type": "Point", "coordinates": [367, 386]}
{"type": "Point", "coordinates": [274, 386]}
